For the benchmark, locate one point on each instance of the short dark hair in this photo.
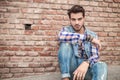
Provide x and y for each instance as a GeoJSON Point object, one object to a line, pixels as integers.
{"type": "Point", "coordinates": [76, 9]}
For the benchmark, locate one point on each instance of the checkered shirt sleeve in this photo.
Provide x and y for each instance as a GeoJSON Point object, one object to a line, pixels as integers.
{"type": "Point", "coordinates": [94, 55]}
{"type": "Point", "coordinates": [65, 36]}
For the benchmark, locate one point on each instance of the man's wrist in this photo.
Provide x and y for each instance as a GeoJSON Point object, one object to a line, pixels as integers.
{"type": "Point", "coordinates": [87, 61]}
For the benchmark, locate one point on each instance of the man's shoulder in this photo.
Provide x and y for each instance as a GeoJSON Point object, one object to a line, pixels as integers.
{"type": "Point", "coordinates": [68, 28]}
{"type": "Point", "coordinates": [91, 32]}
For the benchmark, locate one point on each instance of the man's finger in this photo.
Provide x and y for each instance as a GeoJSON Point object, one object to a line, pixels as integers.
{"type": "Point", "coordinates": [74, 76]}
{"type": "Point", "coordinates": [83, 76]}
{"type": "Point", "coordinates": [79, 76]}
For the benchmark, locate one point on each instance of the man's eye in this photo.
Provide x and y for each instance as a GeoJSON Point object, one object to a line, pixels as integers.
{"type": "Point", "coordinates": [73, 19]}
{"type": "Point", "coordinates": [80, 19]}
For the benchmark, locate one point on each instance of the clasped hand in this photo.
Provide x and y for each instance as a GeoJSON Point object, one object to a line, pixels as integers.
{"type": "Point", "coordinates": [80, 72]}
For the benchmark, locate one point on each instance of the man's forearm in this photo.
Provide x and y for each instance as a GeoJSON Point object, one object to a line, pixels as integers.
{"type": "Point", "coordinates": [70, 37]}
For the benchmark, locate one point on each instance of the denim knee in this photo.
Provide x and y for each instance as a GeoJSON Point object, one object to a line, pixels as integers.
{"type": "Point", "coordinates": [99, 70]}
{"type": "Point", "coordinates": [102, 65]}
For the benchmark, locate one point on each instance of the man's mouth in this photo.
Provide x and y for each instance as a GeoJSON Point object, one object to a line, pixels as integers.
{"type": "Point", "coordinates": [77, 26]}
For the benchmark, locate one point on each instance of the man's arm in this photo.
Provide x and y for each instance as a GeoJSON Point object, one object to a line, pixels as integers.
{"type": "Point", "coordinates": [95, 55]}
{"type": "Point", "coordinates": [65, 36]}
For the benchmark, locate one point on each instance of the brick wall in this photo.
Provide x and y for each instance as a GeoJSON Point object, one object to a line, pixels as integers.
{"type": "Point", "coordinates": [34, 50]}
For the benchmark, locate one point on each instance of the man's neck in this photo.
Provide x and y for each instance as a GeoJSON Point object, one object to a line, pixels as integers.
{"type": "Point", "coordinates": [82, 30]}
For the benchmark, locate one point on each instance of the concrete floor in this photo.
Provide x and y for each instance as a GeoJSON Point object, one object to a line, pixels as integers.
{"type": "Point", "coordinates": [113, 74]}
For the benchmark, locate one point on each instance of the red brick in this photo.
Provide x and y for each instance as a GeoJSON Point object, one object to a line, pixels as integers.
{"type": "Point", "coordinates": [2, 65]}
{"type": "Point", "coordinates": [9, 75]}
{"type": "Point", "coordinates": [113, 5]}
{"type": "Point", "coordinates": [116, 63]}
{"type": "Point", "coordinates": [93, 3]}
{"type": "Point", "coordinates": [14, 48]}
{"type": "Point", "coordinates": [28, 59]}
{"type": "Point", "coordinates": [4, 3]}
{"type": "Point", "coordinates": [118, 34]}
{"type": "Point", "coordinates": [84, 2]}
{"type": "Point", "coordinates": [71, 1]}
{"type": "Point", "coordinates": [16, 70]}
{"type": "Point", "coordinates": [96, 28]}
{"type": "Point", "coordinates": [7, 53]}
{"type": "Point", "coordinates": [34, 65]}
{"type": "Point", "coordinates": [4, 70]}
{"type": "Point", "coordinates": [94, 14]}
{"type": "Point", "coordinates": [39, 70]}
{"type": "Point", "coordinates": [2, 48]}
{"type": "Point", "coordinates": [44, 53]}
{"type": "Point", "coordinates": [27, 70]}
{"type": "Point", "coordinates": [3, 20]}
{"type": "Point", "coordinates": [98, 9]}
{"type": "Point", "coordinates": [87, 8]}
{"type": "Point", "coordinates": [103, 4]}
{"type": "Point", "coordinates": [31, 16]}
{"type": "Point", "coordinates": [35, 27]}
{"type": "Point", "coordinates": [50, 69]}
{"type": "Point", "coordinates": [11, 65]}
{"type": "Point", "coordinates": [40, 43]}
{"type": "Point", "coordinates": [55, 6]}
{"type": "Point", "coordinates": [116, 1]}
{"type": "Point", "coordinates": [90, 19]}
{"type": "Point", "coordinates": [13, 10]}
{"type": "Point", "coordinates": [16, 75]}
{"type": "Point", "coordinates": [23, 64]}
{"type": "Point", "coordinates": [60, 12]}
{"type": "Point", "coordinates": [107, 9]}
{"type": "Point", "coordinates": [3, 10]}
{"type": "Point", "coordinates": [112, 34]}
{"type": "Point", "coordinates": [54, 54]}
{"type": "Point", "coordinates": [53, 12]}
{"type": "Point", "coordinates": [38, 1]}
{"type": "Point", "coordinates": [103, 14]}
{"type": "Point", "coordinates": [26, 48]}
{"type": "Point", "coordinates": [26, 21]}
{"type": "Point", "coordinates": [13, 21]}
{"type": "Point", "coordinates": [16, 59]}
{"type": "Point", "coordinates": [46, 64]}
{"type": "Point", "coordinates": [28, 32]}
{"type": "Point", "coordinates": [4, 59]}
{"type": "Point", "coordinates": [33, 54]}
{"type": "Point", "coordinates": [37, 48]}
{"type": "Point", "coordinates": [108, 29]}
{"type": "Point", "coordinates": [116, 10]}
{"type": "Point", "coordinates": [108, 0]}
{"type": "Point", "coordinates": [103, 34]}
{"type": "Point", "coordinates": [27, 10]}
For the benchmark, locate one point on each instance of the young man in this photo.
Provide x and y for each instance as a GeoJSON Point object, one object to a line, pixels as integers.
{"type": "Point", "coordinates": [78, 53]}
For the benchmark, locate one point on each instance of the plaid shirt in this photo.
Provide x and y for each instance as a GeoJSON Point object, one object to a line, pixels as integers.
{"type": "Point", "coordinates": [69, 37]}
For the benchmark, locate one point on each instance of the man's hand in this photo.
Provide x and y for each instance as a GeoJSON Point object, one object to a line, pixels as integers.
{"type": "Point", "coordinates": [97, 43]}
{"type": "Point", "coordinates": [80, 72]}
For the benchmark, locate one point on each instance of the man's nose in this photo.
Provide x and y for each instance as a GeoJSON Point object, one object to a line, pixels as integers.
{"type": "Point", "coordinates": [76, 22]}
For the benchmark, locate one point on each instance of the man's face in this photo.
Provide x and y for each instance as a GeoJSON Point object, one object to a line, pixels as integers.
{"type": "Point", "coordinates": [77, 21]}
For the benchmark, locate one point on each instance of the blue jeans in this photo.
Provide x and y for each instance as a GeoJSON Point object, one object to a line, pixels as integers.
{"type": "Point", "coordinates": [69, 63]}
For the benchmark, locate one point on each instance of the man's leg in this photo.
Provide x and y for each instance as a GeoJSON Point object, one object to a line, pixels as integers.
{"type": "Point", "coordinates": [99, 71]}
{"type": "Point", "coordinates": [67, 60]}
